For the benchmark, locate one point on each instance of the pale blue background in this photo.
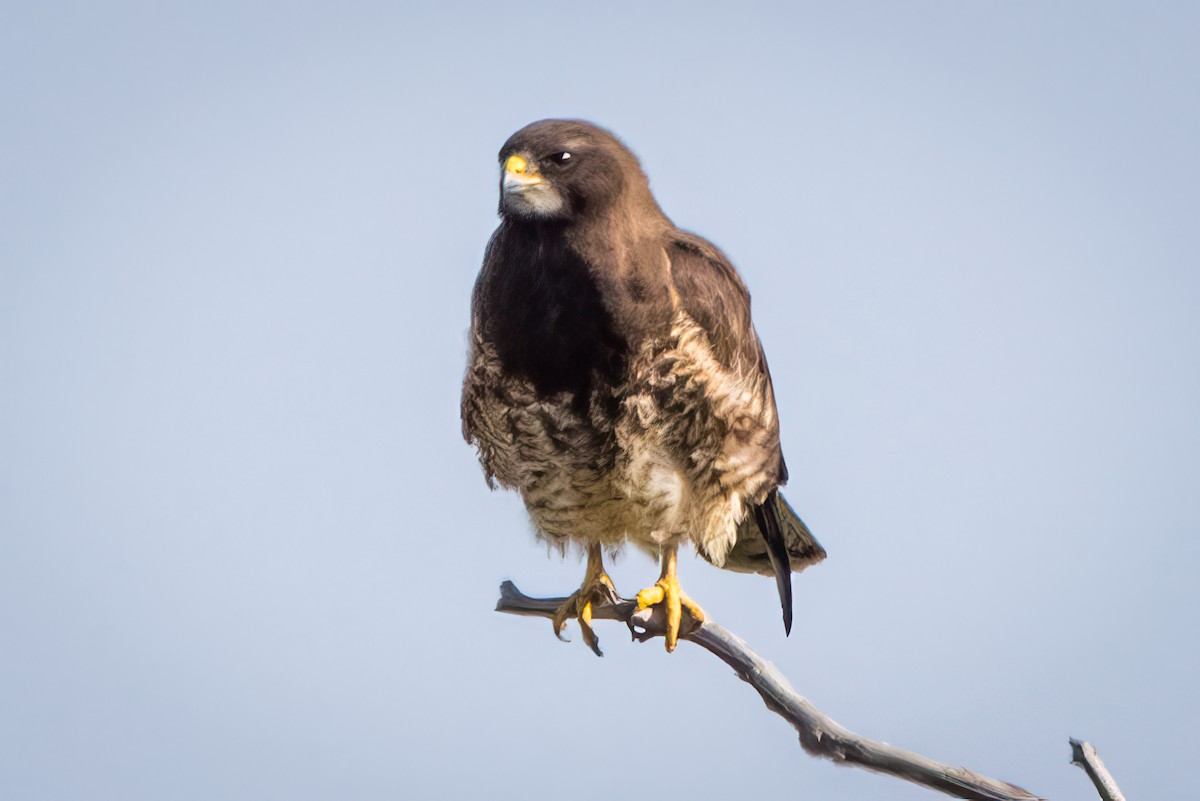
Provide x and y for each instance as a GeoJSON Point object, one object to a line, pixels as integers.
{"type": "Point", "coordinates": [244, 553]}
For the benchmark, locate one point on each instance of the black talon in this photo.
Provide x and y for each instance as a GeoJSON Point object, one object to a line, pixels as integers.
{"type": "Point", "coordinates": [590, 638]}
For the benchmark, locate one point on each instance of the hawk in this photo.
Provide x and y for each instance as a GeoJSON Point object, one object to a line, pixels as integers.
{"type": "Point", "coordinates": [616, 381]}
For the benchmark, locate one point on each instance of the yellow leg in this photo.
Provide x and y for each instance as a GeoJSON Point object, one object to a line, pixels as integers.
{"type": "Point", "coordinates": [666, 590]}
{"type": "Point", "coordinates": [596, 587]}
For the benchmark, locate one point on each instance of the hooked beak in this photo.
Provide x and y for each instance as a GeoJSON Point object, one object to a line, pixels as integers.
{"type": "Point", "coordinates": [517, 175]}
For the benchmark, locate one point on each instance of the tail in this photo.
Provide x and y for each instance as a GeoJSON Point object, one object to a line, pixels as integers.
{"type": "Point", "coordinates": [774, 541]}
{"type": "Point", "coordinates": [767, 517]}
{"type": "Point", "coordinates": [768, 523]}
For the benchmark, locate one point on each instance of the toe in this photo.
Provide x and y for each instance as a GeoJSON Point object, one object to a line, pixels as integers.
{"type": "Point", "coordinates": [692, 607]}
{"type": "Point", "coordinates": [674, 616]}
{"type": "Point", "coordinates": [650, 596]}
{"type": "Point", "coordinates": [566, 610]}
{"type": "Point", "coordinates": [585, 628]}
{"type": "Point", "coordinates": [606, 590]}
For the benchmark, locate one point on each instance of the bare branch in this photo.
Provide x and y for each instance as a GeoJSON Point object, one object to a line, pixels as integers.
{"type": "Point", "coordinates": [1083, 755]}
{"type": "Point", "coordinates": [819, 734]}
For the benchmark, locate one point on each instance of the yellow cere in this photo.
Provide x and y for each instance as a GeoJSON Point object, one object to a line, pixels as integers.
{"type": "Point", "coordinates": [515, 164]}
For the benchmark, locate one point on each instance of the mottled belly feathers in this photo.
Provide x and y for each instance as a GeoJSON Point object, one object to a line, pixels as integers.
{"type": "Point", "coordinates": [653, 441]}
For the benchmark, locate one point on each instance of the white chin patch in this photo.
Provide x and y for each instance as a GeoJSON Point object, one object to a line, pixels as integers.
{"type": "Point", "coordinates": [525, 197]}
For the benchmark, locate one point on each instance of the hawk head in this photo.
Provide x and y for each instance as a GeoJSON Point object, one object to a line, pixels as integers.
{"type": "Point", "coordinates": [560, 170]}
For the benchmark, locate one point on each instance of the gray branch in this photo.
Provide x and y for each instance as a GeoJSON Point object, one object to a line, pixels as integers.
{"type": "Point", "coordinates": [1083, 755]}
{"type": "Point", "coordinates": [819, 734]}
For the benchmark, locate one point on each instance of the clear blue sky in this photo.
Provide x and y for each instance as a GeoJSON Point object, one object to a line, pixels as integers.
{"type": "Point", "coordinates": [244, 553]}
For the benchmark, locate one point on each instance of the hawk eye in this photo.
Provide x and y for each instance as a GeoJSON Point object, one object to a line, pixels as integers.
{"type": "Point", "coordinates": [561, 158]}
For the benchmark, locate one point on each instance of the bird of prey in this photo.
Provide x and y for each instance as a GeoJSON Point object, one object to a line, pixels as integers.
{"type": "Point", "coordinates": [616, 381]}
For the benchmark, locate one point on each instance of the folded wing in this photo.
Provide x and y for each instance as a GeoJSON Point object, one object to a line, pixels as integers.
{"type": "Point", "coordinates": [772, 539]}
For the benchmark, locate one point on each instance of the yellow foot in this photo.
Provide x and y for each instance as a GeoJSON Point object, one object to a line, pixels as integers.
{"type": "Point", "coordinates": [597, 588]}
{"type": "Point", "coordinates": [666, 590]}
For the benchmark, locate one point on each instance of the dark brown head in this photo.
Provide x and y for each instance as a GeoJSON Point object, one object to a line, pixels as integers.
{"type": "Point", "coordinates": [559, 170]}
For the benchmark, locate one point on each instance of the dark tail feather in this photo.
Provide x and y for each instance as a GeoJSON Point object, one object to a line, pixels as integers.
{"type": "Point", "coordinates": [767, 518]}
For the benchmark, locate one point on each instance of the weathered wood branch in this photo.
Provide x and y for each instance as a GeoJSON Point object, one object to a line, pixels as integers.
{"type": "Point", "coordinates": [1085, 756]}
{"type": "Point", "coordinates": [819, 734]}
